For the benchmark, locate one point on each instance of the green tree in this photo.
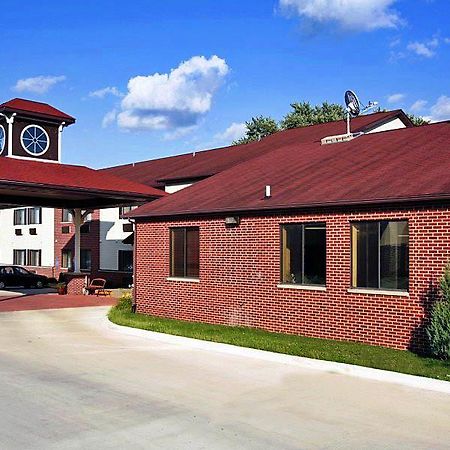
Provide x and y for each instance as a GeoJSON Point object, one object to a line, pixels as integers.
{"type": "Point", "coordinates": [258, 128]}
{"type": "Point", "coordinates": [303, 114]}
{"type": "Point", "coordinates": [418, 120]}
{"type": "Point", "coordinates": [438, 329]}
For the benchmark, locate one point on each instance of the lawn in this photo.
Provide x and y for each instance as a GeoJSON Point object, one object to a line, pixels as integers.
{"type": "Point", "coordinates": [344, 352]}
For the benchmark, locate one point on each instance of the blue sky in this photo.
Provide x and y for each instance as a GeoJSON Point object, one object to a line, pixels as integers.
{"type": "Point", "coordinates": [153, 78]}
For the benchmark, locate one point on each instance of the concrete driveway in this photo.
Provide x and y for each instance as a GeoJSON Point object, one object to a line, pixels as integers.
{"type": "Point", "coordinates": [67, 381]}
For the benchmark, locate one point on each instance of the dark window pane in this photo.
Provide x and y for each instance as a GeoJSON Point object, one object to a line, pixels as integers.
{"type": "Point", "coordinates": [292, 254]}
{"type": "Point", "coordinates": [85, 259]}
{"type": "Point", "coordinates": [126, 260]}
{"type": "Point", "coordinates": [365, 264]}
{"type": "Point", "coordinates": [66, 215]}
{"type": "Point", "coordinates": [20, 216]}
{"type": "Point", "coordinates": [34, 257]}
{"type": "Point", "coordinates": [19, 257]}
{"type": "Point", "coordinates": [314, 255]}
{"type": "Point", "coordinates": [192, 252]}
{"type": "Point", "coordinates": [394, 264]}
{"type": "Point", "coordinates": [303, 254]}
{"type": "Point", "coordinates": [177, 257]}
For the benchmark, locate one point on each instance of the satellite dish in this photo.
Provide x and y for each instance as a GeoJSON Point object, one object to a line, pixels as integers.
{"type": "Point", "coordinates": [352, 103]}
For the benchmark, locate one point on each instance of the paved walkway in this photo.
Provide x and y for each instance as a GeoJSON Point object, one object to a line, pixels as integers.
{"type": "Point", "coordinates": [67, 381]}
{"type": "Point", "coordinates": [32, 300]}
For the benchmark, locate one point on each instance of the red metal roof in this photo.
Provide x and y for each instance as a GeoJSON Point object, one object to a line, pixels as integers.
{"type": "Point", "coordinates": [398, 165]}
{"type": "Point", "coordinates": [16, 174]}
{"type": "Point", "coordinates": [203, 164]}
{"type": "Point", "coordinates": [35, 108]}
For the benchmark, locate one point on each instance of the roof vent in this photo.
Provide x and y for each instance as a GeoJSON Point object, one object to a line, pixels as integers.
{"type": "Point", "coordinates": [268, 191]}
{"type": "Point", "coordinates": [339, 138]}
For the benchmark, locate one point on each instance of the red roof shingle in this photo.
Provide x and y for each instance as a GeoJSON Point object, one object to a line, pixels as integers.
{"type": "Point", "coordinates": [68, 176]}
{"type": "Point", "coordinates": [35, 108]}
{"type": "Point", "coordinates": [399, 165]}
{"type": "Point", "coordinates": [203, 164]}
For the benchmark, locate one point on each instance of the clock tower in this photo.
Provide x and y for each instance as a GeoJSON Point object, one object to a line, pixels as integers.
{"type": "Point", "coordinates": [31, 130]}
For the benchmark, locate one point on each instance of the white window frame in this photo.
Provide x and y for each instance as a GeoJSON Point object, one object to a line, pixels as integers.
{"type": "Point", "coordinates": [46, 134]}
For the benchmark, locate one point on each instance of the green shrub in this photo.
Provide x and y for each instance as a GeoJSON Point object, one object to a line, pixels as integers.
{"type": "Point", "coordinates": [438, 330]}
{"type": "Point", "coordinates": [124, 303]}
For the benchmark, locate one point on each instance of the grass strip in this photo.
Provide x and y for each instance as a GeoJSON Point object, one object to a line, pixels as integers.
{"type": "Point", "coordinates": [326, 349]}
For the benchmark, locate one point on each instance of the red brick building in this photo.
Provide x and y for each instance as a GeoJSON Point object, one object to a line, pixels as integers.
{"type": "Point", "coordinates": [343, 241]}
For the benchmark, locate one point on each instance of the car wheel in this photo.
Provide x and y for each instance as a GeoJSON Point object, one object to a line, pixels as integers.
{"type": "Point", "coordinates": [39, 284]}
{"type": "Point", "coordinates": [2, 285]}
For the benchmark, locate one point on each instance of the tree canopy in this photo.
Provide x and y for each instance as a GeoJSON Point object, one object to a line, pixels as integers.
{"type": "Point", "coordinates": [302, 114]}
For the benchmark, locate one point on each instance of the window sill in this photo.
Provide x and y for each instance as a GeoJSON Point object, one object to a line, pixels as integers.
{"type": "Point", "coordinates": [378, 292]}
{"type": "Point", "coordinates": [185, 279]}
{"type": "Point", "coordinates": [302, 287]}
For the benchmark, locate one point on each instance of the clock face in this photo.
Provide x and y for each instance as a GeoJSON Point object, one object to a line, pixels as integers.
{"type": "Point", "coordinates": [34, 140]}
{"type": "Point", "coordinates": [2, 139]}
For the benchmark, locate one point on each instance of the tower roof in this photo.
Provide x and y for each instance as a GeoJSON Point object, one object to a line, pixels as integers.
{"type": "Point", "coordinates": [33, 108]}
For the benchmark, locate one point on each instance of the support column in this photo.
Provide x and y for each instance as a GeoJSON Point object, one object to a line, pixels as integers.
{"type": "Point", "coordinates": [77, 221]}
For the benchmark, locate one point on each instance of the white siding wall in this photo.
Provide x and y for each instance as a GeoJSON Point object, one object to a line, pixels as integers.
{"type": "Point", "coordinates": [391, 125]}
{"type": "Point", "coordinates": [44, 240]}
{"type": "Point", "coordinates": [111, 237]}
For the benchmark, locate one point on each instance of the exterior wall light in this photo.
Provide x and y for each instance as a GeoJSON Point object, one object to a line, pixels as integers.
{"type": "Point", "coordinates": [232, 221]}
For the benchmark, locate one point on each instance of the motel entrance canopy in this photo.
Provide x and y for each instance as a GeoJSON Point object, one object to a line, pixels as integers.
{"type": "Point", "coordinates": [78, 188]}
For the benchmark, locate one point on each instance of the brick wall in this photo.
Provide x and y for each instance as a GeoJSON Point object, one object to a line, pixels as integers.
{"type": "Point", "coordinates": [240, 270]}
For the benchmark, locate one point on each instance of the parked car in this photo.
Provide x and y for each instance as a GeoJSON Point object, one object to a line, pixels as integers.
{"type": "Point", "coordinates": [19, 276]}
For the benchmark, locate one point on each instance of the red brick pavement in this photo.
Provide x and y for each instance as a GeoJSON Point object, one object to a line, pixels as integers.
{"type": "Point", "coordinates": [51, 301]}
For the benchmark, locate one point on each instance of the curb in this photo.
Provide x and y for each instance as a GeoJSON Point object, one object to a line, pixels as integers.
{"type": "Point", "coordinates": [367, 373]}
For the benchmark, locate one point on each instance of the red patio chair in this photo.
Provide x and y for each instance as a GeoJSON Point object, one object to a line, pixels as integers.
{"type": "Point", "coordinates": [95, 286]}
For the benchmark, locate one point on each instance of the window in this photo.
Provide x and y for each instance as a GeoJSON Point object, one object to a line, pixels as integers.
{"type": "Point", "coordinates": [33, 231]}
{"type": "Point", "coordinates": [66, 215]}
{"type": "Point", "coordinates": [125, 209]}
{"type": "Point", "coordinates": [66, 259]}
{"type": "Point", "coordinates": [88, 217]}
{"type": "Point", "coordinates": [34, 140]}
{"type": "Point", "coordinates": [125, 260]}
{"type": "Point", "coordinates": [127, 228]}
{"type": "Point", "coordinates": [303, 254]}
{"type": "Point", "coordinates": [18, 231]}
{"type": "Point", "coordinates": [20, 257]}
{"type": "Point", "coordinates": [65, 230]}
{"type": "Point", "coordinates": [2, 139]}
{"type": "Point", "coordinates": [85, 259]}
{"type": "Point", "coordinates": [34, 216]}
{"type": "Point", "coordinates": [34, 257]}
{"type": "Point", "coordinates": [184, 252]}
{"type": "Point", "coordinates": [380, 255]}
{"type": "Point", "coordinates": [20, 216]}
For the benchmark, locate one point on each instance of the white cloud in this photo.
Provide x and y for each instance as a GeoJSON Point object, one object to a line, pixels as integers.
{"type": "Point", "coordinates": [441, 109]}
{"type": "Point", "coordinates": [232, 133]}
{"type": "Point", "coordinates": [172, 100]}
{"type": "Point", "coordinates": [37, 85]}
{"type": "Point", "coordinates": [426, 49]}
{"type": "Point", "coordinates": [418, 105]}
{"type": "Point", "coordinates": [395, 98]}
{"type": "Point", "coordinates": [362, 15]}
{"type": "Point", "coordinates": [109, 118]}
{"type": "Point", "coordinates": [447, 40]}
{"type": "Point", "coordinates": [101, 93]}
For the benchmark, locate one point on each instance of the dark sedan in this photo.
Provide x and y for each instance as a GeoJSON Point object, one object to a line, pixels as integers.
{"type": "Point", "coordinates": [19, 276]}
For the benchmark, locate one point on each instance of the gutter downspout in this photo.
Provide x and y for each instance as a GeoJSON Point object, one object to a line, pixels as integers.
{"type": "Point", "coordinates": [133, 299]}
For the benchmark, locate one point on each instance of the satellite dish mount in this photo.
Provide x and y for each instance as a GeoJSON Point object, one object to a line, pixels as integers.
{"type": "Point", "coordinates": [353, 107]}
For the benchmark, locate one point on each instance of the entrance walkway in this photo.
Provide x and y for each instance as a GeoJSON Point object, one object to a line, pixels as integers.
{"type": "Point", "coordinates": [30, 299]}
